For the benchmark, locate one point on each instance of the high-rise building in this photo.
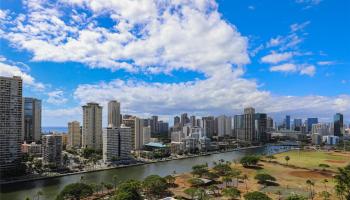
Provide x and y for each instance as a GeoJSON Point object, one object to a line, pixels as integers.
{"type": "Point", "coordinates": [269, 124]}
{"type": "Point", "coordinates": [238, 127]}
{"type": "Point", "coordinates": [310, 122]}
{"type": "Point", "coordinates": [177, 121]}
{"type": "Point", "coordinates": [163, 128]}
{"type": "Point", "coordinates": [298, 123]}
{"type": "Point", "coordinates": [11, 119]}
{"type": "Point", "coordinates": [209, 126]}
{"type": "Point", "coordinates": [146, 135]}
{"type": "Point", "coordinates": [184, 119]}
{"type": "Point", "coordinates": [193, 120]}
{"type": "Point", "coordinates": [138, 143]}
{"type": "Point", "coordinates": [116, 143]}
{"type": "Point", "coordinates": [287, 122]}
{"type": "Point", "coordinates": [199, 123]}
{"type": "Point", "coordinates": [74, 135]}
{"type": "Point", "coordinates": [52, 150]}
{"type": "Point", "coordinates": [154, 125]}
{"type": "Point", "coordinates": [338, 124]}
{"type": "Point", "coordinates": [32, 120]}
{"type": "Point", "coordinates": [130, 122]}
{"type": "Point", "coordinates": [321, 128]}
{"type": "Point", "coordinates": [224, 126]}
{"type": "Point", "coordinates": [92, 126]}
{"type": "Point", "coordinates": [249, 125]}
{"type": "Point", "coordinates": [261, 127]}
{"type": "Point", "coordinates": [114, 113]}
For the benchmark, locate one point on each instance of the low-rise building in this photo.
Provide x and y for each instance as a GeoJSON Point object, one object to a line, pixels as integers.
{"type": "Point", "coordinates": [31, 149]}
{"type": "Point", "coordinates": [330, 139]}
{"type": "Point", "coordinates": [52, 150]}
{"type": "Point", "coordinates": [117, 143]}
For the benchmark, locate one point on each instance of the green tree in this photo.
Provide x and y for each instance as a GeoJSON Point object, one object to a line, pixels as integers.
{"type": "Point", "coordinates": [191, 192]}
{"type": "Point", "coordinates": [170, 180]}
{"type": "Point", "coordinates": [296, 197]}
{"type": "Point", "coordinates": [264, 178]}
{"type": "Point", "coordinates": [342, 179]}
{"type": "Point", "coordinates": [256, 196]}
{"type": "Point", "coordinates": [39, 193]}
{"type": "Point", "coordinates": [227, 180]}
{"type": "Point", "coordinates": [214, 189]}
{"type": "Point", "coordinates": [115, 181]}
{"type": "Point", "coordinates": [155, 185]}
{"type": "Point", "coordinates": [287, 158]}
{"type": "Point", "coordinates": [222, 169]}
{"type": "Point", "coordinates": [129, 190]}
{"type": "Point", "coordinates": [232, 193]}
{"type": "Point", "coordinates": [201, 194]}
{"type": "Point", "coordinates": [323, 166]}
{"type": "Point", "coordinates": [200, 170]}
{"type": "Point", "coordinates": [249, 161]}
{"type": "Point", "coordinates": [75, 191]}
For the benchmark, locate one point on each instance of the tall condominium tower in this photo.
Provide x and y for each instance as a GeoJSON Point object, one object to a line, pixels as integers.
{"type": "Point", "coordinates": [52, 150]}
{"type": "Point", "coordinates": [238, 126]}
{"type": "Point", "coordinates": [138, 134]}
{"type": "Point", "coordinates": [146, 134]}
{"type": "Point", "coordinates": [114, 113]}
{"type": "Point", "coordinates": [11, 117]}
{"type": "Point", "coordinates": [287, 122]}
{"type": "Point", "coordinates": [193, 120]}
{"type": "Point", "coordinates": [116, 143]}
{"type": "Point", "coordinates": [184, 119]}
{"type": "Point", "coordinates": [209, 126]}
{"type": "Point", "coordinates": [249, 125]}
{"type": "Point", "coordinates": [261, 127]}
{"type": "Point", "coordinates": [269, 124]}
{"type": "Point", "coordinates": [224, 126]}
{"type": "Point", "coordinates": [177, 121]}
{"type": "Point", "coordinates": [129, 121]}
{"type": "Point", "coordinates": [338, 124]}
{"type": "Point", "coordinates": [154, 125]}
{"type": "Point", "coordinates": [310, 122]}
{"type": "Point", "coordinates": [74, 135]}
{"type": "Point", "coordinates": [298, 123]}
{"type": "Point", "coordinates": [92, 126]}
{"type": "Point", "coordinates": [32, 120]}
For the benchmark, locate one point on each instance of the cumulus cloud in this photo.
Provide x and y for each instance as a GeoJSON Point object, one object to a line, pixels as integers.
{"type": "Point", "coordinates": [56, 97]}
{"type": "Point", "coordinates": [276, 57]}
{"type": "Point", "coordinates": [150, 34]}
{"type": "Point", "coordinates": [9, 70]}
{"type": "Point", "coordinates": [323, 63]}
{"type": "Point", "coordinates": [303, 69]}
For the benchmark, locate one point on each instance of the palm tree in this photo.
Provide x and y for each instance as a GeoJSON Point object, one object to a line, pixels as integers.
{"type": "Point", "coordinates": [310, 183]}
{"type": "Point", "coordinates": [287, 158]}
{"type": "Point", "coordinates": [245, 178]}
{"type": "Point", "coordinates": [325, 181]}
{"type": "Point", "coordinates": [227, 179]}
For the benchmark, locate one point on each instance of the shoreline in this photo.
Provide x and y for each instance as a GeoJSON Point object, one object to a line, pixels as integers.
{"type": "Point", "coordinates": [124, 166]}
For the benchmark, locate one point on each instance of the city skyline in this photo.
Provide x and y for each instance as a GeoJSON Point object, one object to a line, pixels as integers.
{"type": "Point", "coordinates": [232, 61]}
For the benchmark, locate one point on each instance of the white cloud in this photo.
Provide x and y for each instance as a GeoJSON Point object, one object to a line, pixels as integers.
{"type": "Point", "coordinates": [146, 34]}
{"type": "Point", "coordinates": [299, 27]}
{"type": "Point", "coordinates": [323, 63]}
{"type": "Point", "coordinates": [56, 97]}
{"type": "Point", "coordinates": [277, 57]}
{"type": "Point", "coordinates": [10, 70]}
{"type": "Point", "coordinates": [303, 69]}
{"type": "Point", "coordinates": [309, 70]}
{"type": "Point", "coordinates": [309, 3]}
{"type": "Point", "coordinates": [288, 67]}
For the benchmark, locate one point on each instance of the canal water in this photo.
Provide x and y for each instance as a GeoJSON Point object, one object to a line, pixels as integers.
{"type": "Point", "coordinates": [51, 187]}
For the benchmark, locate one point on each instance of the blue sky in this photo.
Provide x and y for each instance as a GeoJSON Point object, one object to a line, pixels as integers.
{"type": "Point", "coordinates": [167, 57]}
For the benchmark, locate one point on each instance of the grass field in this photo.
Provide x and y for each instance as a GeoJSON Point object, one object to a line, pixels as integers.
{"type": "Point", "coordinates": [311, 159]}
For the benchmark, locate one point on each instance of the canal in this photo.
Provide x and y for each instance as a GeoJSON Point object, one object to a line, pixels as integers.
{"type": "Point", "coordinates": [51, 187]}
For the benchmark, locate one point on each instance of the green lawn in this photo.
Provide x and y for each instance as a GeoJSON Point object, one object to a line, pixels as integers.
{"type": "Point", "coordinates": [311, 159]}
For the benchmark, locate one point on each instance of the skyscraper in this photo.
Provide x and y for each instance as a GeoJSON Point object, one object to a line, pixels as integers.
{"type": "Point", "coordinates": [208, 125]}
{"type": "Point", "coordinates": [129, 121]}
{"type": "Point", "coordinates": [224, 126]}
{"type": "Point", "coordinates": [32, 120]}
{"type": "Point", "coordinates": [92, 126]}
{"type": "Point", "coordinates": [74, 135]}
{"type": "Point", "coordinates": [269, 124]}
{"type": "Point", "coordinates": [184, 119]}
{"type": "Point", "coordinates": [138, 134]}
{"type": "Point", "coordinates": [298, 123]}
{"type": "Point", "coordinates": [249, 125]}
{"type": "Point", "coordinates": [114, 113]}
{"type": "Point", "coordinates": [146, 135]}
{"type": "Point", "coordinates": [238, 127]}
{"type": "Point", "coordinates": [287, 122]}
{"type": "Point", "coordinates": [116, 143]}
{"type": "Point", "coordinates": [193, 120]}
{"type": "Point", "coordinates": [310, 122]}
{"type": "Point", "coordinates": [338, 124]}
{"type": "Point", "coordinates": [52, 150]}
{"type": "Point", "coordinates": [177, 121]}
{"type": "Point", "coordinates": [11, 116]}
{"type": "Point", "coordinates": [154, 125]}
{"type": "Point", "coordinates": [261, 127]}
